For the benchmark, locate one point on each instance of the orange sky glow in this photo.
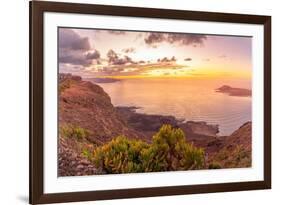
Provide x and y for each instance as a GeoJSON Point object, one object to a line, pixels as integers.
{"type": "Point", "coordinates": [126, 54]}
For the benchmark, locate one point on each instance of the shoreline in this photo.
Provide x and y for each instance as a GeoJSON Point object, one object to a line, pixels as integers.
{"type": "Point", "coordinates": [152, 122]}
{"type": "Point", "coordinates": [137, 119]}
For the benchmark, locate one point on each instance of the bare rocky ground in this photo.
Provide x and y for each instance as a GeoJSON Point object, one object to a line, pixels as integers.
{"type": "Point", "coordinates": [71, 163]}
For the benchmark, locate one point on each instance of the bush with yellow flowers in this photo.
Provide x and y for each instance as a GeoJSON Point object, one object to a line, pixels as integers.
{"type": "Point", "coordinates": [169, 151]}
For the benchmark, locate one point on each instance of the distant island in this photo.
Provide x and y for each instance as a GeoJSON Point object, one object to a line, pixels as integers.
{"type": "Point", "coordinates": [102, 80]}
{"type": "Point", "coordinates": [239, 92]}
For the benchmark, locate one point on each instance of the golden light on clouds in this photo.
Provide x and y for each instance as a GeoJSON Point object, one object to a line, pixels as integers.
{"type": "Point", "coordinates": [113, 54]}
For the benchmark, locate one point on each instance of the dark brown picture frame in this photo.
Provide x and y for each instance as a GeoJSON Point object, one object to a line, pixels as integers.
{"type": "Point", "coordinates": [37, 9]}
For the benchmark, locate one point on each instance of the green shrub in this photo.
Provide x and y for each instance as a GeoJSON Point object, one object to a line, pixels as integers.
{"type": "Point", "coordinates": [168, 151]}
{"type": "Point", "coordinates": [73, 131]}
{"type": "Point", "coordinates": [120, 155]}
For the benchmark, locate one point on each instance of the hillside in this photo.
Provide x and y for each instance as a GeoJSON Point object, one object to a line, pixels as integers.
{"type": "Point", "coordinates": [87, 105]}
{"type": "Point", "coordinates": [236, 149]}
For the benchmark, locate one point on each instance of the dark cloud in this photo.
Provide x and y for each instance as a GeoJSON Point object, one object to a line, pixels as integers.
{"type": "Point", "coordinates": [75, 50]}
{"type": "Point", "coordinates": [206, 59]}
{"type": "Point", "coordinates": [186, 39]}
{"type": "Point", "coordinates": [222, 56]}
{"type": "Point", "coordinates": [68, 39]}
{"type": "Point", "coordinates": [153, 39]}
{"type": "Point", "coordinates": [188, 59]}
{"type": "Point", "coordinates": [167, 60]}
{"type": "Point", "coordinates": [114, 59]}
{"type": "Point", "coordinates": [112, 56]}
{"type": "Point", "coordinates": [123, 61]}
{"type": "Point", "coordinates": [129, 50]}
{"type": "Point", "coordinates": [79, 58]}
{"type": "Point", "coordinates": [93, 55]}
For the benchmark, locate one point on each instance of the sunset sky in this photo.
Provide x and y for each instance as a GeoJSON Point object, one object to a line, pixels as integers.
{"type": "Point", "coordinates": [127, 54]}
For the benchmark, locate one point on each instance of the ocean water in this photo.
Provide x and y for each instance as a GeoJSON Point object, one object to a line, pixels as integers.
{"type": "Point", "coordinates": [188, 99]}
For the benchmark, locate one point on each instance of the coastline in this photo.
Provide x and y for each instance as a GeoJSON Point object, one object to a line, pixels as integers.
{"type": "Point", "coordinates": [151, 122]}
{"type": "Point", "coordinates": [199, 133]}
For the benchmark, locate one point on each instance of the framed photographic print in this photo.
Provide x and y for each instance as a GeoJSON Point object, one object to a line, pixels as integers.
{"type": "Point", "coordinates": [137, 102]}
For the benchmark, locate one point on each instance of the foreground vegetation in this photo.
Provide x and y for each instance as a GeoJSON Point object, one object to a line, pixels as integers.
{"type": "Point", "coordinates": [168, 151]}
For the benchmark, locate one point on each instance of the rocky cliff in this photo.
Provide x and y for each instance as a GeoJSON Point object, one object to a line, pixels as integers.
{"type": "Point", "coordinates": [88, 106]}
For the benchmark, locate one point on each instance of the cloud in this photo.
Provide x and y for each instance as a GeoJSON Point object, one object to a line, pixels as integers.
{"type": "Point", "coordinates": [188, 59]}
{"type": "Point", "coordinates": [68, 39]}
{"type": "Point", "coordinates": [125, 66]}
{"type": "Point", "coordinates": [135, 68]}
{"type": "Point", "coordinates": [112, 56]}
{"type": "Point", "coordinates": [79, 58]}
{"type": "Point", "coordinates": [167, 60]}
{"type": "Point", "coordinates": [123, 61]}
{"type": "Point", "coordinates": [115, 59]}
{"type": "Point", "coordinates": [153, 39]}
{"type": "Point", "coordinates": [93, 55]}
{"type": "Point", "coordinates": [129, 50]}
{"type": "Point", "coordinates": [186, 39]}
{"type": "Point", "coordinates": [107, 70]}
{"type": "Point", "coordinates": [75, 50]}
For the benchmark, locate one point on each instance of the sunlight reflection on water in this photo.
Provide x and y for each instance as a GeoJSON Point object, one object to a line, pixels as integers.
{"type": "Point", "coordinates": [185, 99]}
